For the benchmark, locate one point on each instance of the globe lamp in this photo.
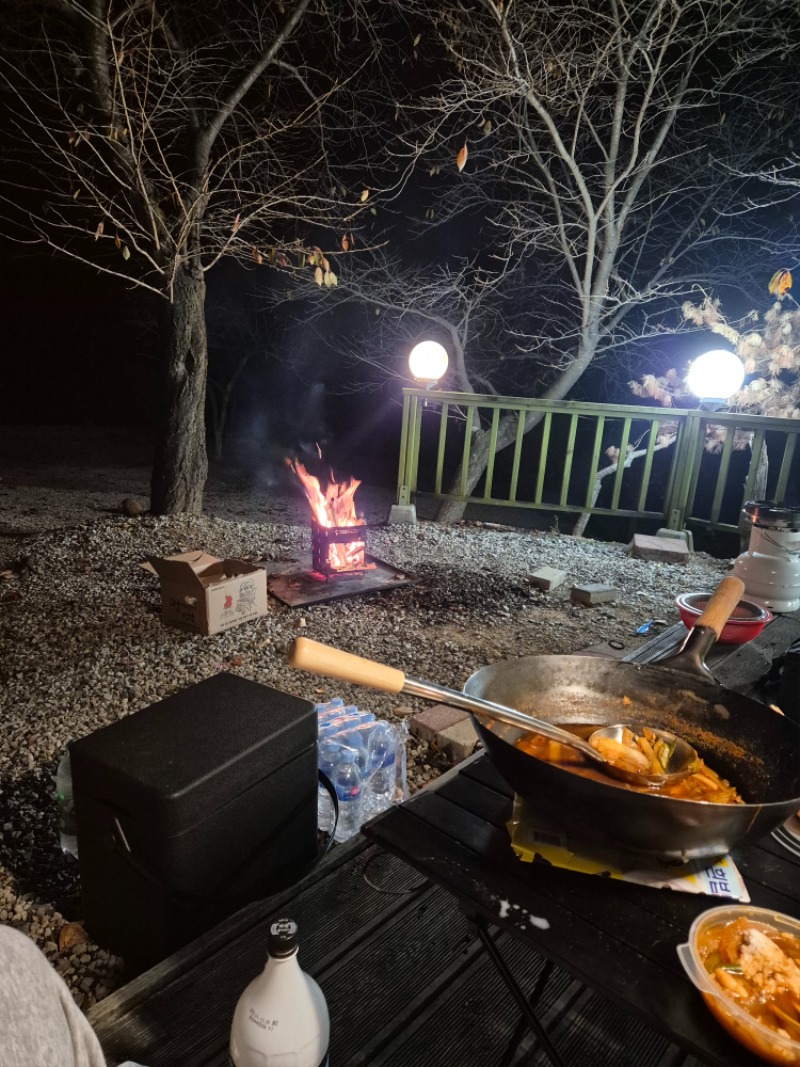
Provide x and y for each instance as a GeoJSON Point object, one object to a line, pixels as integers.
{"type": "Point", "coordinates": [427, 362]}
{"type": "Point", "coordinates": [715, 376]}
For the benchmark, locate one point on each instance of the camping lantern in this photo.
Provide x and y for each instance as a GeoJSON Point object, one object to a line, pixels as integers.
{"type": "Point", "coordinates": [770, 568]}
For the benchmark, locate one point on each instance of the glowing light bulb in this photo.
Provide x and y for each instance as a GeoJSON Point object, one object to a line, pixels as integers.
{"type": "Point", "coordinates": [715, 376]}
{"type": "Point", "coordinates": [428, 362]}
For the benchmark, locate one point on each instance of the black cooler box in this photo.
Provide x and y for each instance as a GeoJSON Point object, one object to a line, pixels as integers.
{"type": "Point", "coordinates": [191, 807]}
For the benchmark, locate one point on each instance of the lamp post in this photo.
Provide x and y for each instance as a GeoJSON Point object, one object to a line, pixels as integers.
{"type": "Point", "coordinates": [427, 362]}
{"type": "Point", "coordinates": [714, 377]}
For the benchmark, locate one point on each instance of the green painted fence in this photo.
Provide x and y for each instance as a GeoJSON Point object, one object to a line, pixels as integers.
{"type": "Point", "coordinates": [554, 465]}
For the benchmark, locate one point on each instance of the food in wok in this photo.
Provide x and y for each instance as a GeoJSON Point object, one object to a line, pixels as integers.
{"type": "Point", "coordinates": [644, 753]}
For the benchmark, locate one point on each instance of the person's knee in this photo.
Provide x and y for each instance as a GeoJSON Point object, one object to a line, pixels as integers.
{"type": "Point", "coordinates": [39, 1021]}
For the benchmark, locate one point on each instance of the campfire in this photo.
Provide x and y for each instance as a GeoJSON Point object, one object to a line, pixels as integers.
{"type": "Point", "coordinates": [338, 535]}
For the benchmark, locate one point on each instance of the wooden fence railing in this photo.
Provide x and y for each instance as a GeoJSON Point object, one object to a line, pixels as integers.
{"type": "Point", "coordinates": [554, 465]}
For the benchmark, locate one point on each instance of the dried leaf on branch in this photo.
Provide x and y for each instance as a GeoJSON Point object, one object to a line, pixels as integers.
{"type": "Point", "coordinates": [654, 388]}
{"type": "Point", "coordinates": [780, 282]}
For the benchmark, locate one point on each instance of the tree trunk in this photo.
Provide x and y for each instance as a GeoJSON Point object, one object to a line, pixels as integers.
{"type": "Point", "coordinates": [583, 518]}
{"type": "Point", "coordinates": [759, 493]}
{"type": "Point", "coordinates": [180, 467]}
{"type": "Point", "coordinates": [453, 510]}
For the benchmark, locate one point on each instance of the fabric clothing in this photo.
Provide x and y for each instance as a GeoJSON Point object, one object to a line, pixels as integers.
{"type": "Point", "coordinates": [40, 1023]}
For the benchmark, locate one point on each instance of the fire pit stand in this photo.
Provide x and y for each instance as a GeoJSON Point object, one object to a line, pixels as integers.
{"type": "Point", "coordinates": [295, 583]}
{"type": "Point", "coordinates": [323, 537]}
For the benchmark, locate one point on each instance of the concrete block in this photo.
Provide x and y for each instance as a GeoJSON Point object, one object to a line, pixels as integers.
{"type": "Point", "coordinates": [431, 722]}
{"type": "Point", "coordinates": [548, 578]}
{"type": "Point", "coordinates": [593, 594]}
{"type": "Point", "coordinates": [659, 549]}
{"type": "Point", "coordinates": [683, 535]}
{"type": "Point", "coordinates": [458, 741]}
{"type": "Point", "coordinates": [403, 513]}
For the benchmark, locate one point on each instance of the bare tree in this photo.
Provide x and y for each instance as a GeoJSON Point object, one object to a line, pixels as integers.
{"type": "Point", "coordinates": [588, 149]}
{"type": "Point", "coordinates": [150, 141]}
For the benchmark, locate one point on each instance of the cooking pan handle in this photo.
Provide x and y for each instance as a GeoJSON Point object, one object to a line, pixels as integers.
{"type": "Point", "coordinates": [690, 657]}
{"type": "Point", "coordinates": [722, 604]}
{"type": "Point", "coordinates": [312, 656]}
{"type": "Point", "coordinates": [307, 655]}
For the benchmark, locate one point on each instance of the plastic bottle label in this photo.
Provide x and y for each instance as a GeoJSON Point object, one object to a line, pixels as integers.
{"type": "Point", "coordinates": [323, 1063]}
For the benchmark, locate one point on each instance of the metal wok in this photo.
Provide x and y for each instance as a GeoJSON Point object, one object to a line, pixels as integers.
{"type": "Point", "coordinates": [755, 748]}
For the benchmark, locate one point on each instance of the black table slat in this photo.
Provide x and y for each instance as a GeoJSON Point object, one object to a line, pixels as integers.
{"type": "Point", "coordinates": [492, 807]}
{"type": "Point", "coordinates": [618, 938]}
{"type": "Point", "coordinates": [651, 988]}
{"type": "Point", "coordinates": [631, 912]}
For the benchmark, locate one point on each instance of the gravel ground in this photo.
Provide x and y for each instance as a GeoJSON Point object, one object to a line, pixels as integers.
{"type": "Point", "coordinates": [83, 643]}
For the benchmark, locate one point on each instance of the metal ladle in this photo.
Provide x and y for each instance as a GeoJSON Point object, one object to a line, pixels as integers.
{"type": "Point", "coordinates": [307, 655]}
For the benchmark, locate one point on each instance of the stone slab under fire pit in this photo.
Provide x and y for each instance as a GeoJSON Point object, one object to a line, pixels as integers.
{"type": "Point", "coordinates": [296, 584]}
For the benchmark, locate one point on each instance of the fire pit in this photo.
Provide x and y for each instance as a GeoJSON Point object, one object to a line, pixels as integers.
{"type": "Point", "coordinates": [339, 549]}
{"type": "Point", "coordinates": [338, 565]}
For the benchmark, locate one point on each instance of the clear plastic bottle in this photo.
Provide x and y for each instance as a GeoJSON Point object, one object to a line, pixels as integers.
{"type": "Point", "coordinates": [357, 739]}
{"type": "Point", "coordinates": [281, 1018]}
{"type": "Point", "coordinates": [382, 751]}
{"type": "Point", "coordinates": [328, 756]}
{"type": "Point", "coordinates": [329, 709]}
{"type": "Point", "coordinates": [66, 807]}
{"type": "Point", "coordinates": [348, 784]}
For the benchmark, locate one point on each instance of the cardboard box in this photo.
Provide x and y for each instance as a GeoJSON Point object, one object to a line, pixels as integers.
{"type": "Point", "coordinates": [206, 595]}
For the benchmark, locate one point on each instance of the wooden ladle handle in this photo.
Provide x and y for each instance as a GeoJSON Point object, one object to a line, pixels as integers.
{"type": "Point", "coordinates": [722, 603]}
{"type": "Point", "coordinates": [307, 655]}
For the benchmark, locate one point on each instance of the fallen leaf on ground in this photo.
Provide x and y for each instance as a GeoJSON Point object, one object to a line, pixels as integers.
{"type": "Point", "coordinates": [70, 935]}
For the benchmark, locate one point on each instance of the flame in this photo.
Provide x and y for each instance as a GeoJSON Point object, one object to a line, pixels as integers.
{"type": "Point", "coordinates": [334, 507]}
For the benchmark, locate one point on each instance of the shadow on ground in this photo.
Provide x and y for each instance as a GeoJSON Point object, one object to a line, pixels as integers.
{"type": "Point", "coordinates": [29, 842]}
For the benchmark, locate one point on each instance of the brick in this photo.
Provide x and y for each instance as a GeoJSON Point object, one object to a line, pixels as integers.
{"type": "Point", "coordinates": [659, 549]}
{"type": "Point", "coordinates": [548, 578]}
{"type": "Point", "coordinates": [430, 722]}
{"type": "Point", "coordinates": [593, 594]}
{"type": "Point", "coordinates": [400, 514]}
{"type": "Point", "coordinates": [683, 535]}
{"type": "Point", "coordinates": [458, 740]}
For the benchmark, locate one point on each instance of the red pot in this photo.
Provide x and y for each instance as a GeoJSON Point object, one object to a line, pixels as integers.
{"type": "Point", "coordinates": [746, 622]}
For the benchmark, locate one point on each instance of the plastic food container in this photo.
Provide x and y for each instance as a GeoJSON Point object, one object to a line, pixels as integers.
{"type": "Point", "coordinates": [746, 622]}
{"type": "Point", "coordinates": [760, 1039]}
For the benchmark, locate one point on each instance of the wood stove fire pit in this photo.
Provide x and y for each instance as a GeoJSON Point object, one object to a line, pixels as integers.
{"type": "Point", "coordinates": [339, 549]}
{"type": "Point", "coordinates": [338, 565]}
{"type": "Point", "coordinates": [308, 578]}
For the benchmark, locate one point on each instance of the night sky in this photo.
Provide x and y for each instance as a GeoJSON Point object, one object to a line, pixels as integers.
{"type": "Point", "coordinates": [73, 350]}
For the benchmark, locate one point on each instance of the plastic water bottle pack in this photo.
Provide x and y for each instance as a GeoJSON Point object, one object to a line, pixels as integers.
{"type": "Point", "coordinates": [365, 759]}
{"type": "Point", "coordinates": [66, 807]}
